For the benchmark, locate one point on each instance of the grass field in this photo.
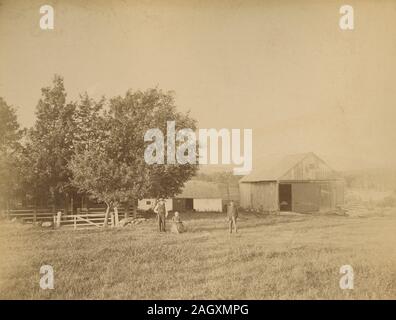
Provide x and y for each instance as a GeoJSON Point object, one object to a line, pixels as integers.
{"type": "Point", "coordinates": [272, 257]}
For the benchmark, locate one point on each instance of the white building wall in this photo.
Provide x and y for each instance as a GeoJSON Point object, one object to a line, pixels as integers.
{"type": "Point", "coordinates": [208, 205]}
{"type": "Point", "coordinates": [147, 204]}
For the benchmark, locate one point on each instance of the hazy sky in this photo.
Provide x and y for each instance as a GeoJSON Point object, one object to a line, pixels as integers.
{"type": "Point", "coordinates": [283, 68]}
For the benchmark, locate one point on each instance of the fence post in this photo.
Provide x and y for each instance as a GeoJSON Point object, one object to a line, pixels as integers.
{"type": "Point", "coordinates": [75, 222]}
{"type": "Point", "coordinates": [116, 222]}
{"type": "Point", "coordinates": [58, 219]}
{"type": "Point", "coordinates": [34, 215]}
{"type": "Point", "coordinates": [112, 219]}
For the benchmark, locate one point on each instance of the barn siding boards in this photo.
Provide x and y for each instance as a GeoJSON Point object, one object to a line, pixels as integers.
{"type": "Point", "coordinates": [265, 196]}
{"type": "Point", "coordinates": [306, 197]}
{"type": "Point", "coordinates": [259, 196]}
{"type": "Point", "coordinates": [245, 195]}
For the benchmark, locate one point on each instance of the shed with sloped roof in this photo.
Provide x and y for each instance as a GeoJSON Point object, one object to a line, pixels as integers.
{"type": "Point", "coordinates": [300, 183]}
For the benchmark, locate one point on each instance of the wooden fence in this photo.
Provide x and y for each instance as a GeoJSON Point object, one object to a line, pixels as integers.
{"type": "Point", "coordinates": [31, 215]}
{"type": "Point", "coordinates": [84, 219]}
{"type": "Point", "coordinates": [116, 217]}
{"type": "Point", "coordinates": [93, 218]}
{"type": "Point", "coordinates": [90, 218]}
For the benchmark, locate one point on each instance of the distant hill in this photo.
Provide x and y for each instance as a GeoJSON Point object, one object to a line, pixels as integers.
{"type": "Point", "coordinates": [381, 179]}
{"type": "Point", "coordinates": [376, 178]}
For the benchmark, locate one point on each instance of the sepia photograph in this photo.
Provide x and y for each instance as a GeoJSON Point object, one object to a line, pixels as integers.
{"type": "Point", "coordinates": [197, 150]}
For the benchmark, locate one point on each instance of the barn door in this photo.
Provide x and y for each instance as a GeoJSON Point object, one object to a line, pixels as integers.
{"type": "Point", "coordinates": [179, 204]}
{"type": "Point", "coordinates": [285, 197]}
{"type": "Point", "coordinates": [189, 204]}
{"type": "Point", "coordinates": [306, 197]}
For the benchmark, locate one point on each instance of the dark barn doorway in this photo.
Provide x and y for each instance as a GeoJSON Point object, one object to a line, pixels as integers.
{"type": "Point", "coordinates": [189, 204]}
{"type": "Point", "coordinates": [285, 197]}
{"type": "Point", "coordinates": [183, 204]}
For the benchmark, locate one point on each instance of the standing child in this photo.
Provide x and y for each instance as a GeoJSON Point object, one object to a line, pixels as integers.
{"type": "Point", "coordinates": [177, 226]}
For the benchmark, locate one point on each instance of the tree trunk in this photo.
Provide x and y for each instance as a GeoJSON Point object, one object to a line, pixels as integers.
{"type": "Point", "coordinates": [106, 218]}
{"type": "Point", "coordinates": [134, 209]}
{"type": "Point", "coordinates": [66, 199]}
{"type": "Point", "coordinates": [53, 201]}
{"type": "Point", "coordinates": [72, 204]}
{"type": "Point", "coordinates": [116, 220]}
{"type": "Point", "coordinates": [127, 208]}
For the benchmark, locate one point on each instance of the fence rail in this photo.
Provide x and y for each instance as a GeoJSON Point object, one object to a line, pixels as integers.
{"type": "Point", "coordinates": [84, 219]}
{"type": "Point", "coordinates": [31, 215]}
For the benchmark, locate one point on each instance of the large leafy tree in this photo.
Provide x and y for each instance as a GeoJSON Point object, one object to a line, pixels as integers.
{"type": "Point", "coordinates": [61, 128]}
{"type": "Point", "coordinates": [10, 131]}
{"type": "Point", "coordinates": [113, 170]}
{"type": "Point", "coordinates": [89, 122]}
{"type": "Point", "coordinates": [77, 146]}
{"type": "Point", "coordinates": [50, 144]}
{"type": "Point", "coordinates": [134, 114]}
{"type": "Point", "coordinates": [10, 148]}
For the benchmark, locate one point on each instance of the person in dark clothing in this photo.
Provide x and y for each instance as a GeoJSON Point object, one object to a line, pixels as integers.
{"type": "Point", "coordinates": [232, 214]}
{"type": "Point", "coordinates": [162, 213]}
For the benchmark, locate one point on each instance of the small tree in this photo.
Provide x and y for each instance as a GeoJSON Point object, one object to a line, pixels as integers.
{"type": "Point", "coordinates": [97, 173]}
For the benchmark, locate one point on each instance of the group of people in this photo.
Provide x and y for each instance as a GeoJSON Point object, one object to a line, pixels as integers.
{"type": "Point", "coordinates": [177, 224]}
{"type": "Point", "coordinates": [162, 214]}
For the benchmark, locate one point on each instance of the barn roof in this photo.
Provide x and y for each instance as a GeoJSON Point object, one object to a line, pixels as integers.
{"type": "Point", "coordinates": [199, 189]}
{"type": "Point", "coordinates": [274, 167]}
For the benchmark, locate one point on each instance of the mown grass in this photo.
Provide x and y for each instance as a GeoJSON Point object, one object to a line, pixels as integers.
{"type": "Point", "coordinates": [272, 257]}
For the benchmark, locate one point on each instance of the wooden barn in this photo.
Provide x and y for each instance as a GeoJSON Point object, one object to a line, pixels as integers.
{"type": "Point", "coordinates": [300, 183]}
{"type": "Point", "coordinates": [195, 196]}
{"type": "Point", "coordinates": [199, 196]}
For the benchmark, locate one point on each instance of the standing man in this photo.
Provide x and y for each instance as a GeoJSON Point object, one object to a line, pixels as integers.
{"type": "Point", "coordinates": [232, 214]}
{"type": "Point", "coordinates": [160, 210]}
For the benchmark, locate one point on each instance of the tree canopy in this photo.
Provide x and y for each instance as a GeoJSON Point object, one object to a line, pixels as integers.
{"type": "Point", "coordinates": [10, 146]}
{"type": "Point", "coordinates": [113, 170]}
{"type": "Point", "coordinates": [94, 148]}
